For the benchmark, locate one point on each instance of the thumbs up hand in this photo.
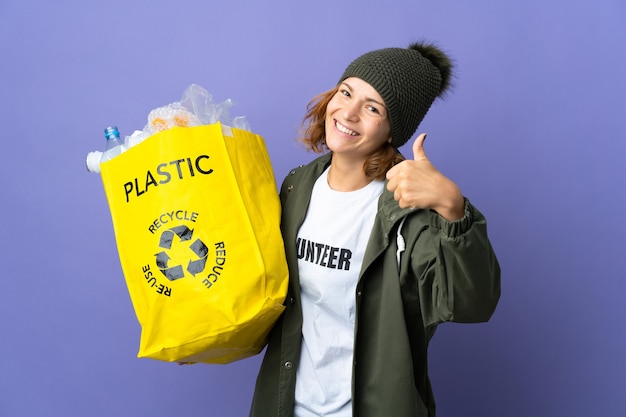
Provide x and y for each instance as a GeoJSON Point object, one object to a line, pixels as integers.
{"type": "Point", "coordinates": [417, 183]}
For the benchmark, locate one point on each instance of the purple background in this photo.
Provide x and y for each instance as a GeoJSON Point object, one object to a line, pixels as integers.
{"type": "Point", "coordinates": [533, 134]}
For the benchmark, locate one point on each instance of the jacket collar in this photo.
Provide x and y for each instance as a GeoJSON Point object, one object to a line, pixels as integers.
{"type": "Point", "coordinates": [388, 209]}
{"type": "Point", "coordinates": [389, 213]}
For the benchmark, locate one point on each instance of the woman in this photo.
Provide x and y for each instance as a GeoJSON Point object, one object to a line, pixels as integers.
{"type": "Point", "coordinates": [380, 250]}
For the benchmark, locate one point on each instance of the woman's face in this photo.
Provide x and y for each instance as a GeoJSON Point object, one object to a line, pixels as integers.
{"type": "Point", "coordinates": [356, 120]}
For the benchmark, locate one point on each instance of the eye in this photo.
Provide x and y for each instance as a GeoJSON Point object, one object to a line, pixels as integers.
{"type": "Point", "coordinates": [344, 92]}
{"type": "Point", "coordinates": [373, 109]}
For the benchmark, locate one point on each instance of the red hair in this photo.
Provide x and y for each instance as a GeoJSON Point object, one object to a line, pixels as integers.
{"type": "Point", "coordinates": [313, 137]}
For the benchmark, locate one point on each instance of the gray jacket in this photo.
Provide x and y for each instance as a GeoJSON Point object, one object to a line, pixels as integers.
{"type": "Point", "coordinates": [447, 271]}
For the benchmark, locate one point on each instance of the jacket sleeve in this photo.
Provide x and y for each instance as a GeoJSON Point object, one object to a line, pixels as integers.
{"type": "Point", "coordinates": [457, 270]}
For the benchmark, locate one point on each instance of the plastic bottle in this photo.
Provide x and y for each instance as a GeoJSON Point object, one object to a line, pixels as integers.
{"type": "Point", "coordinates": [112, 149]}
{"type": "Point", "coordinates": [114, 146]}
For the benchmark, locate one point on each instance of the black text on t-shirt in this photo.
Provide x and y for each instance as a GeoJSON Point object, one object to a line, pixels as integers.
{"type": "Point", "coordinates": [323, 255]}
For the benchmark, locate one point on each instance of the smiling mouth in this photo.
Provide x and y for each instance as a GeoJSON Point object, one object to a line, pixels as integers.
{"type": "Point", "coordinates": [344, 129]}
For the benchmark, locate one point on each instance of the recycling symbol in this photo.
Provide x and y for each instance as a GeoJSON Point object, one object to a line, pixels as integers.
{"type": "Point", "coordinates": [197, 253]}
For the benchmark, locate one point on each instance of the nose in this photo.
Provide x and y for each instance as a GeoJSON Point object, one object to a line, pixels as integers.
{"type": "Point", "coordinates": [351, 111]}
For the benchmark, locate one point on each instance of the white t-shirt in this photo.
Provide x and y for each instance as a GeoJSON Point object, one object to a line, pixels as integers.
{"type": "Point", "coordinates": [330, 246]}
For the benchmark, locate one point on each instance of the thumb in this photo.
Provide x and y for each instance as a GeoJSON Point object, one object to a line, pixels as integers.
{"type": "Point", "coordinates": [418, 148]}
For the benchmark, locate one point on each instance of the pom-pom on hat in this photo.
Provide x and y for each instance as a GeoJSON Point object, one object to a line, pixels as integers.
{"type": "Point", "coordinates": [407, 79]}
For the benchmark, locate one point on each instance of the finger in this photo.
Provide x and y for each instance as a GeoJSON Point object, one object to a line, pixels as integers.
{"type": "Point", "coordinates": [391, 183]}
{"type": "Point", "coordinates": [392, 172]}
{"type": "Point", "coordinates": [418, 148]}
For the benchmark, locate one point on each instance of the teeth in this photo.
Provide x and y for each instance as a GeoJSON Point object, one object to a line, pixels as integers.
{"type": "Point", "coordinates": [345, 130]}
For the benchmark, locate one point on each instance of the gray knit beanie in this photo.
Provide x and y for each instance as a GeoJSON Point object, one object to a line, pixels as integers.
{"type": "Point", "coordinates": [408, 80]}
